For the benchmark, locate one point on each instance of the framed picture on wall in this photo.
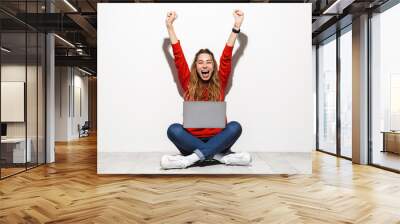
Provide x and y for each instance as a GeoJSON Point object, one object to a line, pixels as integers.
{"type": "Point", "coordinates": [12, 101]}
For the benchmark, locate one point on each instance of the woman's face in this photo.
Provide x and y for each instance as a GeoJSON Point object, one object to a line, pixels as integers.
{"type": "Point", "coordinates": [204, 66]}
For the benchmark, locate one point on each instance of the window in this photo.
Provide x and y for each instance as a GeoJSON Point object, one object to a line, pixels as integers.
{"type": "Point", "coordinates": [385, 88]}
{"type": "Point", "coordinates": [327, 96]}
{"type": "Point", "coordinates": [346, 93]}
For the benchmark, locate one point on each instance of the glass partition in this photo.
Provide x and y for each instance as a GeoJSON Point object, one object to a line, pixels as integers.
{"type": "Point", "coordinates": [327, 96]}
{"type": "Point", "coordinates": [385, 89]}
{"type": "Point", "coordinates": [32, 95]}
{"type": "Point", "coordinates": [22, 77]}
{"type": "Point", "coordinates": [41, 91]}
{"type": "Point", "coordinates": [13, 109]}
{"type": "Point", "coordinates": [346, 93]}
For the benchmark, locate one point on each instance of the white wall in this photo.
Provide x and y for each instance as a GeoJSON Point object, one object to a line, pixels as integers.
{"type": "Point", "coordinates": [61, 103]}
{"type": "Point", "coordinates": [79, 117]}
{"type": "Point", "coordinates": [271, 94]}
{"type": "Point", "coordinates": [67, 84]}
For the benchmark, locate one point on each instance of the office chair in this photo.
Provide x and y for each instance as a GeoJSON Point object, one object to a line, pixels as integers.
{"type": "Point", "coordinates": [84, 130]}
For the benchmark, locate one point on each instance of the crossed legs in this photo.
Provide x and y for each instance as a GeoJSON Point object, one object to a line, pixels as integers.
{"type": "Point", "coordinates": [194, 149]}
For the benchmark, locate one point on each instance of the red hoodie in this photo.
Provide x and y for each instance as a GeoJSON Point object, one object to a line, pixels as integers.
{"type": "Point", "coordinates": [184, 76]}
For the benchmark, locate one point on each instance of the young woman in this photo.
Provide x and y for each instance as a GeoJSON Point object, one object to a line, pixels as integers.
{"type": "Point", "coordinates": [204, 81]}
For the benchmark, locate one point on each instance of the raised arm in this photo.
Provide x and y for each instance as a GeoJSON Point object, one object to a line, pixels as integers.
{"type": "Point", "coordinates": [238, 15]}
{"type": "Point", "coordinates": [225, 64]}
{"type": "Point", "coordinates": [179, 58]}
{"type": "Point", "coordinates": [171, 16]}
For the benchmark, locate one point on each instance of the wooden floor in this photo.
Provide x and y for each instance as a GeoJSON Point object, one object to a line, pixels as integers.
{"type": "Point", "coordinates": [70, 191]}
{"type": "Point", "coordinates": [10, 171]}
{"type": "Point", "coordinates": [387, 159]}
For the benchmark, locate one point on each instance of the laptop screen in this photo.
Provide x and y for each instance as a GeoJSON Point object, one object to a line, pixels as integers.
{"type": "Point", "coordinates": [204, 114]}
{"type": "Point", "coordinates": [3, 129]}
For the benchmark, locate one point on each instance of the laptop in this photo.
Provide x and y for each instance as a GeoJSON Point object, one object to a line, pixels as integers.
{"type": "Point", "coordinates": [204, 114]}
{"type": "Point", "coordinates": [3, 131]}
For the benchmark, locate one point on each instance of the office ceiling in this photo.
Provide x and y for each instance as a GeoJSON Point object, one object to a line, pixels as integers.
{"type": "Point", "coordinates": [78, 26]}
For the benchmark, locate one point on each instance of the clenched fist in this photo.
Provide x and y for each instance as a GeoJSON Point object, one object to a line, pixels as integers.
{"type": "Point", "coordinates": [238, 15]}
{"type": "Point", "coordinates": [171, 16]}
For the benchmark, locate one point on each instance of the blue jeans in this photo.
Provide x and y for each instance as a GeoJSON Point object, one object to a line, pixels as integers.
{"type": "Point", "coordinates": [205, 148]}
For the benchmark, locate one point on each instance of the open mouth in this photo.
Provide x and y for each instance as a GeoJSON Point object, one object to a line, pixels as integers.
{"type": "Point", "coordinates": [205, 74]}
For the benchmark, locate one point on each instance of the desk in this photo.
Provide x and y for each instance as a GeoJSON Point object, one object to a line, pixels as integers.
{"type": "Point", "coordinates": [15, 148]}
{"type": "Point", "coordinates": [391, 141]}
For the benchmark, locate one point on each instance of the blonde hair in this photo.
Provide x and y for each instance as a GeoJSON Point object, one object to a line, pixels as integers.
{"type": "Point", "coordinates": [197, 85]}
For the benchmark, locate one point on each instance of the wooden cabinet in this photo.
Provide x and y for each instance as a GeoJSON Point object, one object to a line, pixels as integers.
{"type": "Point", "coordinates": [391, 142]}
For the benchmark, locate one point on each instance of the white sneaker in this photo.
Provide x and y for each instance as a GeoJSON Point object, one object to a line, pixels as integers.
{"type": "Point", "coordinates": [238, 158]}
{"type": "Point", "coordinates": [174, 162]}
